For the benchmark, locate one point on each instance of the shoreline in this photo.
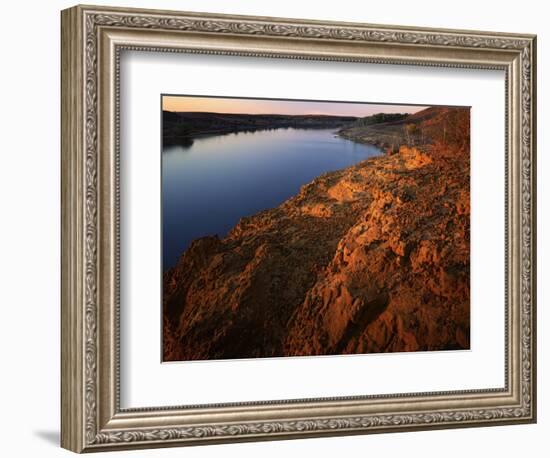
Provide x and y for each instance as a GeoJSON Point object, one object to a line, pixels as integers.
{"type": "Point", "coordinates": [333, 134]}
{"type": "Point", "coordinates": [183, 127]}
{"type": "Point", "coordinates": [170, 141]}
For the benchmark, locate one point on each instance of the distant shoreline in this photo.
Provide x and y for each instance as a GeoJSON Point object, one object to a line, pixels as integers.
{"type": "Point", "coordinates": [183, 128]}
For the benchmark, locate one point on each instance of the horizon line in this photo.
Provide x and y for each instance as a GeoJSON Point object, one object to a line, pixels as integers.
{"type": "Point", "coordinates": [278, 114]}
{"type": "Point", "coordinates": [280, 107]}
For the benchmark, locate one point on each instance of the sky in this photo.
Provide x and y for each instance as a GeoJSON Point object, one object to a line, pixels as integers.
{"type": "Point", "coordinates": [263, 106]}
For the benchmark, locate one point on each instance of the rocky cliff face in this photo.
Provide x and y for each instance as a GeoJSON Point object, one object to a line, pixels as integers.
{"type": "Point", "coordinates": [372, 258]}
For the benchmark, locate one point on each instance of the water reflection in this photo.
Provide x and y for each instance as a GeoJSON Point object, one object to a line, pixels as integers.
{"type": "Point", "coordinates": [209, 185]}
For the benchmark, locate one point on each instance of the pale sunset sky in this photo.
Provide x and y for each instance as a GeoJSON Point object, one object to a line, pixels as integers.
{"type": "Point", "coordinates": [262, 106]}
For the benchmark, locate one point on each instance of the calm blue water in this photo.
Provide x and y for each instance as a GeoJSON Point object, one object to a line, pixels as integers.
{"type": "Point", "coordinates": [209, 186]}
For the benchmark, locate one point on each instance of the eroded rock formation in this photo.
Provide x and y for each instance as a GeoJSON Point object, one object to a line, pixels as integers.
{"type": "Point", "coordinates": [372, 258]}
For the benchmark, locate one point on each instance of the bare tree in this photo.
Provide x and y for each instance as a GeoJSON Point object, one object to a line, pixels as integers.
{"type": "Point", "coordinates": [410, 132]}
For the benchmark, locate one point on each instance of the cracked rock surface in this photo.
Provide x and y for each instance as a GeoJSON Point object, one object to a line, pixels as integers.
{"type": "Point", "coordinates": [371, 258]}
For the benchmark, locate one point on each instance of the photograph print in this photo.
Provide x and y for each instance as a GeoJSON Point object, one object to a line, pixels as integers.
{"type": "Point", "coordinates": [309, 228]}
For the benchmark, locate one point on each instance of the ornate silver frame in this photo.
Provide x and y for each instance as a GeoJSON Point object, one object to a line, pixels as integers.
{"type": "Point", "coordinates": [92, 39]}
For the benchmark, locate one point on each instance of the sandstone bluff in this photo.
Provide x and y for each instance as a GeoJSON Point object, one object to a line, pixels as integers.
{"type": "Point", "coordinates": [372, 258]}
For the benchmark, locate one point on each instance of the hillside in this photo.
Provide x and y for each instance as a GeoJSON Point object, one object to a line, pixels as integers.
{"type": "Point", "coordinates": [435, 124]}
{"type": "Point", "coordinates": [372, 258]}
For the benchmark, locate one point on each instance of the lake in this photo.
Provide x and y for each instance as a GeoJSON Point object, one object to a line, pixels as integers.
{"type": "Point", "coordinates": [209, 185]}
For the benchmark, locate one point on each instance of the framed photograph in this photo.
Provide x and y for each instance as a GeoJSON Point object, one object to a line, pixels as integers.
{"type": "Point", "coordinates": [278, 228]}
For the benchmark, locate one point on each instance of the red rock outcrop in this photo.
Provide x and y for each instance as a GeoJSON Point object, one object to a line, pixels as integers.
{"type": "Point", "coordinates": [372, 258]}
